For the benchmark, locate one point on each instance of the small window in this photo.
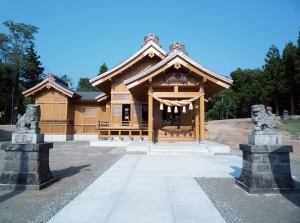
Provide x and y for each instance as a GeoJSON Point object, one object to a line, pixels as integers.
{"type": "Point", "coordinates": [89, 112]}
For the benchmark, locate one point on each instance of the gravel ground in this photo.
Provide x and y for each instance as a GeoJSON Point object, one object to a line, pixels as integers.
{"type": "Point", "coordinates": [75, 165]}
{"type": "Point", "coordinates": [236, 205]}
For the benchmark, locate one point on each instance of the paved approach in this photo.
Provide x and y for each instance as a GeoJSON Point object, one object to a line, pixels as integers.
{"type": "Point", "coordinates": [140, 188]}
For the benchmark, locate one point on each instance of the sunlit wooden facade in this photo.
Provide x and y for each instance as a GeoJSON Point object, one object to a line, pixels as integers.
{"type": "Point", "coordinates": [153, 95]}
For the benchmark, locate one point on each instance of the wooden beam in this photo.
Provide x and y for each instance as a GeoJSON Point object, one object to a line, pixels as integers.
{"type": "Point", "coordinates": [120, 70]}
{"type": "Point", "coordinates": [176, 94]}
{"type": "Point", "coordinates": [176, 88]}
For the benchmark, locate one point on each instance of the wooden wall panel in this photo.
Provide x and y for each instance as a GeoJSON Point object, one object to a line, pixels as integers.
{"type": "Point", "coordinates": [51, 96]}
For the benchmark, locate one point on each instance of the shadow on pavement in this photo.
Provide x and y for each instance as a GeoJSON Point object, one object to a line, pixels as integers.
{"type": "Point", "coordinates": [68, 172]}
{"type": "Point", "coordinates": [10, 194]}
{"type": "Point", "coordinates": [293, 195]}
{"type": "Point", "coordinates": [236, 172]}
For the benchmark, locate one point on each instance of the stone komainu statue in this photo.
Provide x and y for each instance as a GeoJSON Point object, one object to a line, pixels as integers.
{"type": "Point", "coordinates": [29, 122]}
{"type": "Point", "coordinates": [263, 119]}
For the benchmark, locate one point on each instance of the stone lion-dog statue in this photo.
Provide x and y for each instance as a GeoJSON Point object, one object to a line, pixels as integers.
{"type": "Point", "coordinates": [29, 122]}
{"type": "Point", "coordinates": [263, 119]}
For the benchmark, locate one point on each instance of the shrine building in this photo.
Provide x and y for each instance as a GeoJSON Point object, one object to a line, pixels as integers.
{"type": "Point", "coordinates": [153, 95]}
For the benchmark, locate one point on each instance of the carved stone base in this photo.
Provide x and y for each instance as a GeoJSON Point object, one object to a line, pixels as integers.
{"type": "Point", "coordinates": [26, 166]}
{"type": "Point", "coordinates": [27, 138]}
{"type": "Point", "coordinates": [266, 169]}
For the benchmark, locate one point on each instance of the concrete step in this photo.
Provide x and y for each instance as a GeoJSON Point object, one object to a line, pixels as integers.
{"type": "Point", "coordinates": [178, 150]}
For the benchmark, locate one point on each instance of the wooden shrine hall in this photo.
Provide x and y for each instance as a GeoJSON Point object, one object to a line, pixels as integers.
{"type": "Point", "coordinates": [153, 95]}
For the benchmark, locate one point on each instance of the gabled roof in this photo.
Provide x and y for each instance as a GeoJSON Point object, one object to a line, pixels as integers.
{"type": "Point", "coordinates": [51, 81]}
{"type": "Point", "coordinates": [150, 48]}
{"type": "Point", "coordinates": [177, 57]}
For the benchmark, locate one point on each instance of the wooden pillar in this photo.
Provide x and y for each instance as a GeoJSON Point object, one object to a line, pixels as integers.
{"type": "Point", "coordinates": [150, 112]}
{"type": "Point", "coordinates": [197, 121]}
{"type": "Point", "coordinates": [131, 114]}
{"type": "Point", "coordinates": [202, 119]}
{"type": "Point", "coordinates": [150, 117]}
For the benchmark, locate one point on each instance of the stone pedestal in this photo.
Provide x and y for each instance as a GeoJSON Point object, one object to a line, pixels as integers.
{"type": "Point", "coordinates": [266, 169]}
{"type": "Point", "coordinates": [27, 138]}
{"type": "Point", "coordinates": [264, 140]}
{"type": "Point", "coordinates": [26, 166]}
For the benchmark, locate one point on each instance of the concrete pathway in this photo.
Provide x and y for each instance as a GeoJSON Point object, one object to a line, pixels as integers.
{"type": "Point", "coordinates": [141, 189]}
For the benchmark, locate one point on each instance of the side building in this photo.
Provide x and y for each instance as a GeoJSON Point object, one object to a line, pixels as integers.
{"type": "Point", "coordinates": [153, 95]}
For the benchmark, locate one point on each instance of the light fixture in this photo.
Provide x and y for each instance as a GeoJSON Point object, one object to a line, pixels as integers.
{"type": "Point", "coordinates": [169, 109]}
{"type": "Point", "coordinates": [183, 109]}
{"type": "Point", "coordinates": [161, 107]}
{"type": "Point", "coordinates": [175, 109]}
{"type": "Point", "coordinates": [191, 106]}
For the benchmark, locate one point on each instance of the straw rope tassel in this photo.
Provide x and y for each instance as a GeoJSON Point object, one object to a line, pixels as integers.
{"type": "Point", "coordinates": [175, 102]}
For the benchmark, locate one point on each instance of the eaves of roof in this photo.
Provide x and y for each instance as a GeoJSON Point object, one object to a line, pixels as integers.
{"type": "Point", "coordinates": [125, 62]}
{"type": "Point", "coordinates": [171, 56]}
{"type": "Point", "coordinates": [61, 87]}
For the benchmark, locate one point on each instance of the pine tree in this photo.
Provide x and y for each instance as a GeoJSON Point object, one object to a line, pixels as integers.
{"type": "Point", "coordinates": [287, 83]}
{"type": "Point", "coordinates": [103, 69]}
{"type": "Point", "coordinates": [297, 61]}
{"type": "Point", "coordinates": [33, 70]}
{"type": "Point", "coordinates": [271, 79]}
{"type": "Point", "coordinates": [85, 85]}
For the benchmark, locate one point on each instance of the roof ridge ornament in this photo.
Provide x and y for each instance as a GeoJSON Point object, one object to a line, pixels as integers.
{"type": "Point", "coordinates": [50, 76]}
{"type": "Point", "coordinates": [58, 80]}
{"type": "Point", "coordinates": [177, 46]}
{"type": "Point", "coordinates": [151, 37]}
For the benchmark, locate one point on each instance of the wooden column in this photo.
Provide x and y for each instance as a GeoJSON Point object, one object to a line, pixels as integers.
{"type": "Point", "coordinates": [131, 114]}
{"type": "Point", "coordinates": [150, 117]}
{"type": "Point", "coordinates": [202, 119]}
{"type": "Point", "coordinates": [197, 121]}
{"type": "Point", "coordinates": [150, 112]}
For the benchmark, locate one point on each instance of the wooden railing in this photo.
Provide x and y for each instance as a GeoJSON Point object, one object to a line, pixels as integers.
{"type": "Point", "coordinates": [85, 129]}
{"type": "Point", "coordinates": [65, 121]}
{"type": "Point", "coordinates": [102, 124]}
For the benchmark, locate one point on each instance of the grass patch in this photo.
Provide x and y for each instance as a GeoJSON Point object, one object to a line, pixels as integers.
{"type": "Point", "coordinates": [292, 126]}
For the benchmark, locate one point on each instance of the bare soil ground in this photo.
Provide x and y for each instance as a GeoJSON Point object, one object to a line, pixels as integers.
{"type": "Point", "coordinates": [233, 132]}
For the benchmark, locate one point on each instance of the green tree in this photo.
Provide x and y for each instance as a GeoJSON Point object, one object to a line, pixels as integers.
{"type": "Point", "coordinates": [33, 70]}
{"type": "Point", "coordinates": [271, 78]}
{"type": "Point", "coordinates": [247, 86]}
{"type": "Point", "coordinates": [67, 79]}
{"type": "Point", "coordinates": [297, 61]}
{"type": "Point", "coordinates": [85, 85]}
{"type": "Point", "coordinates": [13, 52]}
{"type": "Point", "coordinates": [103, 69]}
{"type": "Point", "coordinates": [223, 105]}
{"type": "Point", "coordinates": [4, 48]}
{"type": "Point", "coordinates": [287, 83]}
{"type": "Point", "coordinates": [6, 91]}
{"type": "Point", "coordinates": [20, 37]}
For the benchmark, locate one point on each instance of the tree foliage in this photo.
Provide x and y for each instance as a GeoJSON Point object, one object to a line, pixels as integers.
{"type": "Point", "coordinates": [17, 58]}
{"type": "Point", "coordinates": [85, 85]}
{"type": "Point", "coordinates": [103, 69]}
{"type": "Point", "coordinates": [277, 85]}
{"type": "Point", "coordinates": [271, 78]}
{"type": "Point", "coordinates": [33, 70]}
{"type": "Point", "coordinates": [288, 84]}
{"type": "Point", "coordinates": [223, 105]}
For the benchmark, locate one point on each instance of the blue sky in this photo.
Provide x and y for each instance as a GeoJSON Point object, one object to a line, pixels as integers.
{"type": "Point", "coordinates": [76, 37]}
